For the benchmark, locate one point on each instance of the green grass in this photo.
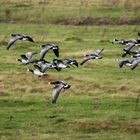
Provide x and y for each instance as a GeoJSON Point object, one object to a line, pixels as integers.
{"type": "Point", "coordinates": [72, 117]}
{"type": "Point", "coordinates": [52, 11]}
{"type": "Point", "coordinates": [101, 103]}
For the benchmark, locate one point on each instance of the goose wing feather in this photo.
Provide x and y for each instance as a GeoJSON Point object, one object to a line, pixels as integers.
{"type": "Point", "coordinates": [87, 58]}
{"type": "Point", "coordinates": [56, 91]}
{"type": "Point", "coordinates": [13, 40]}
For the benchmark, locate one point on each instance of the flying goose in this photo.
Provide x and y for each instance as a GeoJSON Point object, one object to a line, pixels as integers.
{"type": "Point", "coordinates": [36, 72]}
{"type": "Point", "coordinates": [94, 55]}
{"type": "Point", "coordinates": [124, 42]}
{"type": "Point", "coordinates": [65, 63]}
{"type": "Point", "coordinates": [70, 62]}
{"type": "Point", "coordinates": [27, 57]}
{"type": "Point", "coordinates": [45, 66]}
{"type": "Point", "coordinates": [26, 61]}
{"type": "Point", "coordinates": [45, 48]}
{"type": "Point", "coordinates": [58, 86]}
{"type": "Point", "coordinates": [18, 37]}
{"type": "Point", "coordinates": [128, 47]}
{"type": "Point", "coordinates": [127, 62]}
{"type": "Point", "coordinates": [120, 41]}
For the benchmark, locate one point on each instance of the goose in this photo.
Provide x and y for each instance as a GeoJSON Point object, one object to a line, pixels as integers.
{"type": "Point", "coordinates": [18, 37]}
{"type": "Point", "coordinates": [70, 62]}
{"type": "Point", "coordinates": [127, 62]}
{"type": "Point", "coordinates": [36, 72]}
{"type": "Point", "coordinates": [120, 41]}
{"type": "Point", "coordinates": [60, 64]}
{"type": "Point", "coordinates": [94, 55]}
{"type": "Point", "coordinates": [45, 48]}
{"type": "Point", "coordinates": [65, 63]}
{"type": "Point", "coordinates": [45, 66]}
{"type": "Point", "coordinates": [125, 42]}
{"type": "Point", "coordinates": [27, 57]}
{"type": "Point", "coordinates": [128, 47]}
{"type": "Point", "coordinates": [58, 86]}
{"type": "Point", "coordinates": [23, 61]}
{"type": "Point", "coordinates": [26, 61]}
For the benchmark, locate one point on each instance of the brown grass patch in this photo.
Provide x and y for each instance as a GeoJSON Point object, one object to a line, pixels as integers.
{"type": "Point", "coordinates": [131, 127]}
{"type": "Point", "coordinates": [79, 22]}
{"type": "Point", "coordinates": [98, 21]}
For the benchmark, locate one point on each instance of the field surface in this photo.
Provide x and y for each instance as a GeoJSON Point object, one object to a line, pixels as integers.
{"type": "Point", "coordinates": [101, 103]}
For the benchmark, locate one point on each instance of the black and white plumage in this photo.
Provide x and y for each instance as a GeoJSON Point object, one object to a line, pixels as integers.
{"type": "Point", "coordinates": [120, 41]}
{"type": "Point", "coordinates": [27, 57]}
{"type": "Point", "coordinates": [18, 37]}
{"type": "Point", "coordinates": [45, 48]}
{"type": "Point", "coordinates": [65, 63]}
{"type": "Point", "coordinates": [58, 86]}
{"type": "Point", "coordinates": [125, 42]}
{"type": "Point", "coordinates": [94, 55]}
{"type": "Point", "coordinates": [127, 48]}
{"type": "Point", "coordinates": [45, 66]}
{"type": "Point", "coordinates": [36, 72]}
{"type": "Point", "coordinates": [128, 62]}
{"type": "Point", "coordinates": [23, 61]}
{"type": "Point", "coordinates": [69, 62]}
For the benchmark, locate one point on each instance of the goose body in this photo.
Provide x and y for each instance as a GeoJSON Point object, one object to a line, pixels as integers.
{"type": "Point", "coordinates": [45, 66]}
{"type": "Point", "coordinates": [36, 72]}
{"type": "Point", "coordinates": [94, 55]}
{"type": "Point", "coordinates": [58, 86]}
{"type": "Point", "coordinates": [127, 48]}
{"type": "Point", "coordinates": [65, 63]}
{"type": "Point", "coordinates": [120, 41]}
{"type": "Point", "coordinates": [127, 62]}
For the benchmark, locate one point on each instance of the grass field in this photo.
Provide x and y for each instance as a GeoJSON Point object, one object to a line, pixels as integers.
{"type": "Point", "coordinates": [101, 103]}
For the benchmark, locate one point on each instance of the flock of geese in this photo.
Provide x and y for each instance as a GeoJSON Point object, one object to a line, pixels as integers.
{"type": "Point", "coordinates": [131, 50]}
{"type": "Point", "coordinates": [41, 65]}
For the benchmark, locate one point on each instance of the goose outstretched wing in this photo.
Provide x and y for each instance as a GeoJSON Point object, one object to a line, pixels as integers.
{"type": "Point", "coordinates": [29, 55]}
{"type": "Point", "coordinates": [97, 52]}
{"type": "Point", "coordinates": [44, 50]}
{"type": "Point", "coordinates": [13, 40]}
{"type": "Point", "coordinates": [56, 91]}
{"type": "Point", "coordinates": [88, 57]}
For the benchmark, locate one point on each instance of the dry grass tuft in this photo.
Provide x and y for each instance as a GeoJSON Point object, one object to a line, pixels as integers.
{"type": "Point", "coordinates": [132, 127]}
